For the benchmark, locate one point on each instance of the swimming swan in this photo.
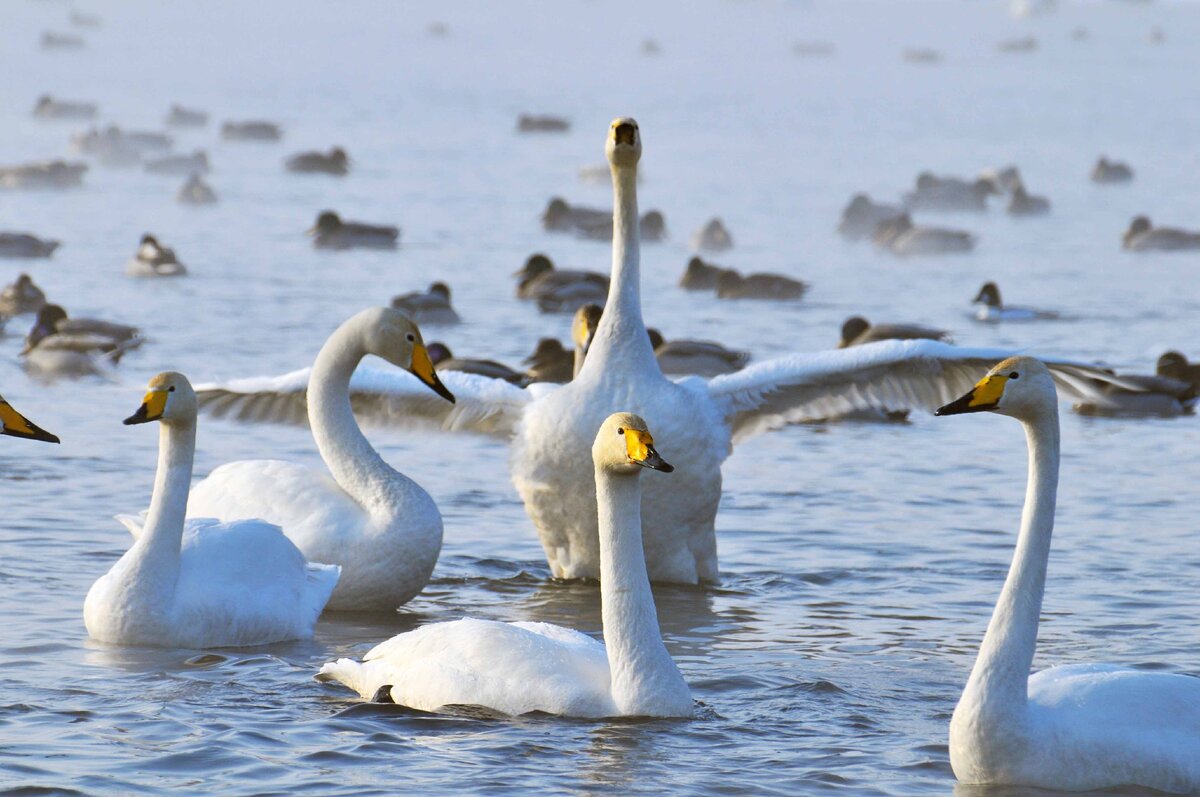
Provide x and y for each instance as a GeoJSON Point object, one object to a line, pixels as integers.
{"type": "Point", "coordinates": [1076, 727]}
{"type": "Point", "coordinates": [14, 424]}
{"type": "Point", "coordinates": [200, 583]}
{"type": "Point", "coordinates": [516, 668]}
{"type": "Point", "coordinates": [552, 426]}
{"type": "Point", "coordinates": [378, 524]}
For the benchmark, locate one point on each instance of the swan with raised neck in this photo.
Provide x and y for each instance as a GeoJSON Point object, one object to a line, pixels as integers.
{"type": "Point", "coordinates": [1073, 727]}
{"type": "Point", "coordinates": [379, 525]}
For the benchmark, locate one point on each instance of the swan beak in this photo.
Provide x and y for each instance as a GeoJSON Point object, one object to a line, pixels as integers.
{"type": "Point", "coordinates": [625, 133]}
{"type": "Point", "coordinates": [422, 368]}
{"type": "Point", "coordinates": [153, 406]}
{"type": "Point", "coordinates": [640, 447]}
{"type": "Point", "coordinates": [984, 396]}
{"type": "Point", "coordinates": [581, 333]}
{"type": "Point", "coordinates": [17, 425]}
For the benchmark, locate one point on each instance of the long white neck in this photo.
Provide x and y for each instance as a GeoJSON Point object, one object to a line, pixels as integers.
{"type": "Point", "coordinates": [356, 466]}
{"type": "Point", "coordinates": [621, 335]}
{"type": "Point", "coordinates": [155, 556]}
{"type": "Point", "coordinates": [1000, 677]}
{"type": "Point", "coordinates": [645, 681]}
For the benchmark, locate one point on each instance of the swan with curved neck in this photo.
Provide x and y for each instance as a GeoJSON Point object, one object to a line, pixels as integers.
{"type": "Point", "coordinates": [185, 583]}
{"type": "Point", "coordinates": [516, 668]}
{"type": "Point", "coordinates": [1074, 727]}
{"type": "Point", "coordinates": [380, 526]}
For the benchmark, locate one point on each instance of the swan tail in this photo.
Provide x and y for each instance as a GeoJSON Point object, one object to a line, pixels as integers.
{"type": "Point", "coordinates": [321, 579]}
{"type": "Point", "coordinates": [350, 673]}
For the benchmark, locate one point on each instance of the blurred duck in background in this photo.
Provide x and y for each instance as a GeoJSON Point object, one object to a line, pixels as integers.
{"type": "Point", "coordinates": [1106, 171]}
{"type": "Point", "coordinates": [990, 308]}
{"type": "Point", "coordinates": [152, 259]}
{"type": "Point", "coordinates": [901, 237]}
{"type": "Point", "coordinates": [1142, 236]}
{"type": "Point", "coordinates": [862, 217]}
{"type": "Point", "coordinates": [23, 245]}
{"type": "Point", "coordinates": [49, 108]}
{"type": "Point", "coordinates": [428, 307]}
{"type": "Point", "coordinates": [330, 232]}
{"type": "Point", "coordinates": [857, 330]}
{"type": "Point", "coordinates": [335, 162]}
{"type": "Point", "coordinates": [21, 297]}
{"type": "Point", "coordinates": [179, 116]}
{"type": "Point", "coordinates": [62, 346]}
{"type": "Point", "coordinates": [255, 130]}
{"type": "Point", "coordinates": [712, 237]}
{"type": "Point", "coordinates": [196, 192]}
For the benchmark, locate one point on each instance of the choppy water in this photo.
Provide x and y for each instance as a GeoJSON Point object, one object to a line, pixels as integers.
{"type": "Point", "coordinates": [860, 562]}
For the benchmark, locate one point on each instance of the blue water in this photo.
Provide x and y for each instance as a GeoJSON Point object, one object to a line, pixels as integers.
{"type": "Point", "coordinates": [860, 563]}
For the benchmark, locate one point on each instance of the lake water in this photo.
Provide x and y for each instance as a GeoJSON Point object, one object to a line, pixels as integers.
{"type": "Point", "coordinates": [860, 563]}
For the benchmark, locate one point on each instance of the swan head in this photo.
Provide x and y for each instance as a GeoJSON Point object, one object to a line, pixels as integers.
{"type": "Point", "coordinates": [624, 147]}
{"type": "Point", "coordinates": [1020, 387]}
{"type": "Point", "coordinates": [624, 445]}
{"type": "Point", "coordinates": [390, 334]}
{"type": "Point", "coordinates": [584, 325]}
{"type": "Point", "coordinates": [989, 294]}
{"type": "Point", "coordinates": [169, 398]}
{"type": "Point", "coordinates": [852, 327]}
{"type": "Point", "coordinates": [14, 424]}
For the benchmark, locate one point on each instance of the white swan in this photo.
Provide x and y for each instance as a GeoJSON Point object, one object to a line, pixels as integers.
{"type": "Point", "coordinates": [378, 524]}
{"type": "Point", "coordinates": [516, 668]}
{"type": "Point", "coordinates": [200, 583]}
{"type": "Point", "coordinates": [553, 425]}
{"type": "Point", "coordinates": [1077, 727]}
{"type": "Point", "coordinates": [15, 424]}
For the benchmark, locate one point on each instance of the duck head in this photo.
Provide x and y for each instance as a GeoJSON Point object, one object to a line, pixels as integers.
{"type": "Point", "coordinates": [624, 446]}
{"type": "Point", "coordinates": [46, 325]}
{"type": "Point", "coordinates": [989, 294]}
{"type": "Point", "coordinates": [852, 327]}
{"type": "Point", "coordinates": [327, 221]}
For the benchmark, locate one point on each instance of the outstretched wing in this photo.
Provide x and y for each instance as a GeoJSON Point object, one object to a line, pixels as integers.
{"type": "Point", "coordinates": [381, 396]}
{"type": "Point", "coordinates": [889, 375]}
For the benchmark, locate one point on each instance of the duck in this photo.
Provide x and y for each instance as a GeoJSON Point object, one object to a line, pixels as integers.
{"type": "Point", "coordinates": [62, 346]}
{"type": "Point", "coordinates": [949, 194]}
{"type": "Point", "coordinates": [550, 426]}
{"type": "Point", "coordinates": [47, 107]}
{"type": "Point", "coordinates": [330, 232]}
{"type": "Point", "coordinates": [378, 525]}
{"type": "Point", "coordinates": [1140, 396]}
{"type": "Point", "coordinates": [61, 41]}
{"type": "Point", "coordinates": [1142, 236]}
{"type": "Point", "coordinates": [195, 191]}
{"type": "Point", "coordinates": [83, 20]}
{"type": "Point", "coordinates": [1110, 172]}
{"type": "Point", "coordinates": [431, 307]}
{"type": "Point", "coordinates": [862, 216]}
{"type": "Point", "coordinates": [902, 237]}
{"type": "Point", "coordinates": [712, 237]}
{"type": "Point", "coordinates": [701, 276]}
{"type": "Point", "coordinates": [152, 259]}
{"type": "Point", "coordinates": [551, 361]}
{"type": "Point", "coordinates": [1022, 44]}
{"type": "Point", "coordinates": [198, 582]}
{"type": "Point", "coordinates": [517, 668]}
{"type": "Point", "coordinates": [43, 174]}
{"type": "Point", "coordinates": [539, 278]}
{"type": "Point", "coordinates": [531, 123]}
{"type": "Point", "coordinates": [1174, 365]}
{"type": "Point", "coordinates": [196, 163]}
{"type": "Point", "coordinates": [26, 246]}
{"type": "Point", "coordinates": [684, 357]}
{"type": "Point", "coordinates": [21, 297]}
{"type": "Point", "coordinates": [921, 55]}
{"type": "Point", "coordinates": [1075, 727]}
{"type": "Point", "coordinates": [990, 308]}
{"type": "Point", "coordinates": [335, 162]}
{"type": "Point", "coordinates": [444, 360]}
{"type": "Point", "coordinates": [113, 146]}
{"type": "Point", "coordinates": [857, 331]}
{"type": "Point", "coordinates": [1003, 180]}
{"type": "Point", "coordinates": [1022, 203]}
{"type": "Point", "coordinates": [733, 285]}
{"type": "Point", "coordinates": [560, 216]}
{"type": "Point", "coordinates": [255, 130]}
{"type": "Point", "coordinates": [14, 424]}
{"type": "Point", "coordinates": [180, 116]}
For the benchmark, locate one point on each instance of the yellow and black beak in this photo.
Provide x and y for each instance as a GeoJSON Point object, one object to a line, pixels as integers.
{"type": "Point", "coordinates": [640, 447]}
{"type": "Point", "coordinates": [17, 425]}
{"type": "Point", "coordinates": [422, 368]}
{"type": "Point", "coordinates": [153, 407]}
{"type": "Point", "coordinates": [981, 398]}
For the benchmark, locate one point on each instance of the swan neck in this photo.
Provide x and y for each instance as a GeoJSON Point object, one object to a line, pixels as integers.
{"type": "Point", "coordinates": [621, 334]}
{"type": "Point", "coordinates": [642, 670]}
{"type": "Point", "coordinates": [354, 463]}
{"type": "Point", "coordinates": [1001, 674]}
{"type": "Point", "coordinates": [162, 534]}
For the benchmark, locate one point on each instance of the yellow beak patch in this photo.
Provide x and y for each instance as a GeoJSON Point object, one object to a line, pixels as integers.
{"type": "Point", "coordinates": [637, 444]}
{"type": "Point", "coordinates": [155, 402]}
{"type": "Point", "coordinates": [987, 391]}
{"type": "Point", "coordinates": [422, 366]}
{"type": "Point", "coordinates": [14, 422]}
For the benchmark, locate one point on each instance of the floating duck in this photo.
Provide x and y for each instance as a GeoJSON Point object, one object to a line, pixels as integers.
{"type": "Point", "coordinates": [43, 174]}
{"type": "Point", "coordinates": [335, 162]}
{"type": "Point", "coordinates": [179, 116]}
{"type": "Point", "coordinates": [529, 123]}
{"type": "Point", "coordinates": [902, 237]}
{"type": "Point", "coordinates": [949, 194]}
{"type": "Point", "coordinates": [25, 246]}
{"type": "Point", "coordinates": [196, 163]}
{"type": "Point", "coordinates": [152, 259]}
{"type": "Point", "coordinates": [733, 285]}
{"type": "Point", "coordinates": [1022, 203]}
{"type": "Point", "coordinates": [21, 297]}
{"type": "Point", "coordinates": [989, 307]}
{"type": "Point", "coordinates": [1109, 172]}
{"type": "Point", "coordinates": [444, 360]}
{"type": "Point", "coordinates": [1142, 236]}
{"type": "Point", "coordinates": [196, 192]}
{"type": "Point", "coordinates": [712, 237]}
{"type": "Point", "coordinates": [49, 108]}
{"type": "Point", "coordinates": [862, 217]}
{"type": "Point", "coordinates": [62, 346]}
{"type": "Point", "coordinates": [857, 331]}
{"type": "Point", "coordinates": [255, 130]}
{"type": "Point", "coordinates": [428, 307]}
{"type": "Point", "coordinates": [330, 232]}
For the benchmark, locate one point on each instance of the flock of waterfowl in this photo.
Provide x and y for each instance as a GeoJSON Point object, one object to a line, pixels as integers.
{"type": "Point", "coordinates": [257, 550]}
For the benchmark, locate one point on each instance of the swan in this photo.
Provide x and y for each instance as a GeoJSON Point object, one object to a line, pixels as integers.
{"type": "Point", "coordinates": [152, 259]}
{"type": "Point", "coordinates": [255, 130]}
{"type": "Point", "coordinates": [196, 192]}
{"type": "Point", "coordinates": [428, 307]}
{"type": "Point", "coordinates": [550, 426]}
{"type": "Point", "coordinates": [516, 668]}
{"type": "Point", "coordinates": [1142, 236]}
{"type": "Point", "coordinates": [379, 525]}
{"type": "Point", "coordinates": [1109, 172]}
{"type": "Point", "coordinates": [15, 424]}
{"type": "Point", "coordinates": [1075, 727]}
{"type": "Point", "coordinates": [180, 116]}
{"type": "Point", "coordinates": [330, 232]}
{"type": "Point", "coordinates": [200, 583]}
{"type": "Point", "coordinates": [990, 308]}
{"type": "Point", "coordinates": [857, 330]}
{"type": "Point", "coordinates": [25, 246]}
{"type": "Point", "coordinates": [335, 162]}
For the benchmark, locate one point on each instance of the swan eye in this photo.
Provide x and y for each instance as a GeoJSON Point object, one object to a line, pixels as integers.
{"type": "Point", "coordinates": [171, 389]}
{"type": "Point", "coordinates": [411, 337]}
{"type": "Point", "coordinates": [620, 431]}
{"type": "Point", "coordinates": [1014, 375]}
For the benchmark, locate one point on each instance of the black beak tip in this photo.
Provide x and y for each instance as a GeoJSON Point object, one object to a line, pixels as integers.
{"type": "Point", "coordinates": [137, 417]}
{"type": "Point", "coordinates": [666, 467]}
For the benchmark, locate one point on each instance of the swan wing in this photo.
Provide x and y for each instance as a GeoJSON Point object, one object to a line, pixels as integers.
{"type": "Point", "coordinates": [383, 396]}
{"type": "Point", "coordinates": [889, 375]}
